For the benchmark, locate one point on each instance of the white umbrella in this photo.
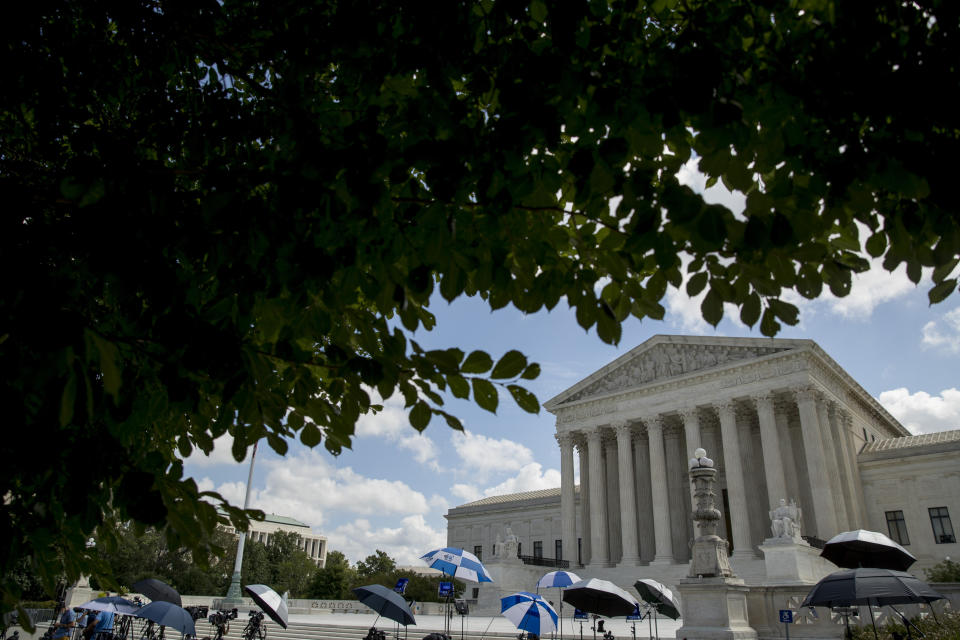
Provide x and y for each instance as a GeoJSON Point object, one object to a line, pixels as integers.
{"type": "Point", "coordinates": [601, 597]}
{"type": "Point", "coordinates": [862, 548]}
{"type": "Point", "coordinates": [457, 563]}
{"type": "Point", "coordinates": [270, 601]}
{"type": "Point", "coordinates": [530, 612]}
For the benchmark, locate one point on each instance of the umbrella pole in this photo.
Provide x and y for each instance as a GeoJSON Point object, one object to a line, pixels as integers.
{"type": "Point", "coordinates": [656, 627]}
{"type": "Point", "coordinates": [872, 621]}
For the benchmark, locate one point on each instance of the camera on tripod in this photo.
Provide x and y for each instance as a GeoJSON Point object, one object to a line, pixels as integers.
{"type": "Point", "coordinates": [256, 617]}
{"type": "Point", "coordinates": [222, 617]}
{"type": "Point", "coordinates": [197, 612]}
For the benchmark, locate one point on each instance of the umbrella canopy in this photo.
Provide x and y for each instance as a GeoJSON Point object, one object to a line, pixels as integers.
{"type": "Point", "coordinates": [168, 614]}
{"type": "Point", "coordinates": [158, 590]}
{"type": "Point", "coordinates": [387, 602]}
{"type": "Point", "coordinates": [457, 563]}
{"type": "Point", "coordinates": [270, 601]}
{"type": "Point", "coordinates": [862, 548]}
{"type": "Point", "coordinates": [112, 604]}
{"type": "Point", "coordinates": [557, 579]}
{"type": "Point", "coordinates": [869, 587]}
{"type": "Point", "coordinates": [600, 597]}
{"type": "Point", "coordinates": [658, 595]}
{"type": "Point", "coordinates": [530, 612]}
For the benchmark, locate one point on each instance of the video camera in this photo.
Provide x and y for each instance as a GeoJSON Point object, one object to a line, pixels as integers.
{"type": "Point", "coordinates": [197, 612]}
{"type": "Point", "coordinates": [256, 616]}
{"type": "Point", "coordinates": [222, 617]}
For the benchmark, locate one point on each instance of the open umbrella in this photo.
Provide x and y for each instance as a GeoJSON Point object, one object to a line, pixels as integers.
{"type": "Point", "coordinates": [270, 601]}
{"type": "Point", "coordinates": [158, 590]}
{"type": "Point", "coordinates": [871, 587]}
{"type": "Point", "coordinates": [167, 614]}
{"type": "Point", "coordinates": [558, 580]}
{"type": "Point", "coordinates": [530, 612]}
{"type": "Point", "coordinates": [659, 596]}
{"type": "Point", "coordinates": [600, 597]}
{"type": "Point", "coordinates": [457, 563]}
{"type": "Point", "coordinates": [386, 602]}
{"type": "Point", "coordinates": [112, 604]}
{"type": "Point", "coordinates": [862, 548]}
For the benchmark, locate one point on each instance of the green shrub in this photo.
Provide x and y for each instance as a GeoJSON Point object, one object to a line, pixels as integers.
{"type": "Point", "coordinates": [946, 571]}
{"type": "Point", "coordinates": [948, 628]}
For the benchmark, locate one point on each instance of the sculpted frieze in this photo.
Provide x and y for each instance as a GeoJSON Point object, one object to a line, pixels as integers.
{"type": "Point", "coordinates": [586, 411]}
{"type": "Point", "coordinates": [664, 361]}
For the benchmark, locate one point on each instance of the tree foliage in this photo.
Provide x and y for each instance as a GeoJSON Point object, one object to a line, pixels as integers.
{"type": "Point", "coordinates": [378, 562]}
{"type": "Point", "coordinates": [946, 570]}
{"type": "Point", "coordinates": [334, 580]}
{"type": "Point", "coordinates": [232, 216]}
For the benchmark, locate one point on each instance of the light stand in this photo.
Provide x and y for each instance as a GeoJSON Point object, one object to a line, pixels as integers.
{"type": "Point", "coordinates": [234, 595]}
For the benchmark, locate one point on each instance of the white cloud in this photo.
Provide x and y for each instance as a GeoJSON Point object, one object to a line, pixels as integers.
{"type": "Point", "coordinates": [532, 477]}
{"type": "Point", "coordinates": [309, 488]}
{"type": "Point", "coordinates": [484, 455]}
{"type": "Point", "coordinates": [922, 413]}
{"type": "Point", "coordinates": [405, 544]}
{"type": "Point", "coordinates": [869, 289]}
{"type": "Point", "coordinates": [221, 455]}
{"type": "Point", "coordinates": [392, 425]}
{"type": "Point", "coordinates": [691, 176]}
{"type": "Point", "coordinates": [943, 334]}
{"type": "Point", "coordinates": [466, 492]}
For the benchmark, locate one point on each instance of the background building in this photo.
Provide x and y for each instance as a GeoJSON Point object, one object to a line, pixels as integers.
{"type": "Point", "coordinates": [781, 419]}
{"type": "Point", "coordinates": [314, 545]}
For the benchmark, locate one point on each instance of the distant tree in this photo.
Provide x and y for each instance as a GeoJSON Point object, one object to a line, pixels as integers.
{"type": "Point", "coordinates": [946, 570]}
{"type": "Point", "coordinates": [333, 581]}
{"type": "Point", "coordinates": [377, 563]}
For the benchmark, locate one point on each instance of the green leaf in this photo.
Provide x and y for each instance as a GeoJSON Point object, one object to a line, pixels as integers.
{"type": "Point", "coordinates": [942, 290]}
{"type": "Point", "coordinates": [511, 364]}
{"type": "Point", "coordinates": [750, 312]}
{"type": "Point", "coordinates": [311, 435]}
{"type": "Point", "coordinates": [477, 362]}
{"type": "Point", "coordinates": [420, 416]}
{"type": "Point", "coordinates": [941, 272]}
{"type": "Point", "coordinates": [538, 10]}
{"type": "Point", "coordinates": [458, 386]}
{"type": "Point", "coordinates": [784, 310]}
{"type": "Point", "coordinates": [712, 308]}
{"type": "Point", "coordinates": [485, 394]}
{"type": "Point", "coordinates": [68, 399]}
{"type": "Point", "coordinates": [526, 400]}
{"type": "Point", "coordinates": [769, 325]}
{"type": "Point", "coordinates": [696, 284]}
{"type": "Point", "coordinates": [531, 372]}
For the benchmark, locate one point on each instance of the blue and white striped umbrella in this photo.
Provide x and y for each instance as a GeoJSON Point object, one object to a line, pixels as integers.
{"type": "Point", "coordinates": [557, 579]}
{"type": "Point", "coordinates": [529, 612]}
{"type": "Point", "coordinates": [457, 563]}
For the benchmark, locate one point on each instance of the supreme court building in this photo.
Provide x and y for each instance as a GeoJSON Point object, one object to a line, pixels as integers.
{"type": "Point", "coordinates": [780, 418]}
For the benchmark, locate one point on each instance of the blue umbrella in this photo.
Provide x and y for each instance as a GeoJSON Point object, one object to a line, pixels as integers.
{"type": "Point", "coordinates": [457, 563]}
{"type": "Point", "coordinates": [529, 612]}
{"type": "Point", "coordinates": [558, 580]}
{"type": "Point", "coordinates": [167, 614]}
{"type": "Point", "coordinates": [111, 604]}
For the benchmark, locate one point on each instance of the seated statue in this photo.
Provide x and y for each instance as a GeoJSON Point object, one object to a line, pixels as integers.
{"type": "Point", "coordinates": [785, 520]}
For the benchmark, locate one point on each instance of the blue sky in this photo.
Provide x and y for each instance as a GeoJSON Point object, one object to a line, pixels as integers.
{"type": "Point", "coordinates": [392, 489]}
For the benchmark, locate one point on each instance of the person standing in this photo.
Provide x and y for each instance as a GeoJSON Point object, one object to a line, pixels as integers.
{"type": "Point", "coordinates": [64, 626]}
{"type": "Point", "coordinates": [99, 627]}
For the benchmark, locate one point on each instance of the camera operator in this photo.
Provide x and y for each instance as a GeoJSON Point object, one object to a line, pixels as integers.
{"type": "Point", "coordinates": [99, 627]}
{"type": "Point", "coordinates": [63, 627]}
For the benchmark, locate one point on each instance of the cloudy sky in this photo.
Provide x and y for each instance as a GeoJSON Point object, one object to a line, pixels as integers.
{"type": "Point", "coordinates": [392, 489]}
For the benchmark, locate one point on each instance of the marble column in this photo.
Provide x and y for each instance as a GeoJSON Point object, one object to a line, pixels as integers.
{"type": "Point", "coordinates": [770, 443]}
{"type": "Point", "coordinates": [847, 430]}
{"type": "Point", "coordinates": [628, 501]}
{"type": "Point", "coordinates": [821, 483]}
{"type": "Point", "coordinates": [787, 452]}
{"type": "Point", "coordinates": [644, 497]}
{"type": "Point", "coordinates": [598, 505]}
{"type": "Point", "coordinates": [658, 487]}
{"type": "Point", "coordinates": [736, 490]}
{"type": "Point", "coordinates": [830, 455]}
{"type": "Point", "coordinates": [568, 517]}
{"type": "Point", "coordinates": [840, 449]}
{"type": "Point", "coordinates": [691, 430]}
{"type": "Point", "coordinates": [586, 526]}
{"type": "Point", "coordinates": [611, 466]}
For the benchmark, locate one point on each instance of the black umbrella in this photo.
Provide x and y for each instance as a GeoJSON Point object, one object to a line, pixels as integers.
{"type": "Point", "coordinates": [879, 587]}
{"type": "Point", "coordinates": [158, 590]}
{"type": "Point", "coordinates": [386, 602]}
{"type": "Point", "coordinates": [270, 601]}
{"type": "Point", "coordinates": [167, 614]}
{"type": "Point", "coordinates": [112, 604]}
{"type": "Point", "coordinates": [600, 597]}
{"type": "Point", "coordinates": [660, 596]}
{"type": "Point", "coordinates": [862, 548]}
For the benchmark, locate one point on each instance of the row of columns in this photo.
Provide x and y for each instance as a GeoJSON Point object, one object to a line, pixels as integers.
{"type": "Point", "coordinates": [824, 429]}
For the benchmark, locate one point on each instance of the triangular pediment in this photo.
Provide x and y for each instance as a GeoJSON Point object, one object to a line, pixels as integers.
{"type": "Point", "coordinates": [664, 357]}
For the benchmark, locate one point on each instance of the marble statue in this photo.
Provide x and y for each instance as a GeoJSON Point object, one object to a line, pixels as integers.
{"type": "Point", "coordinates": [786, 520]}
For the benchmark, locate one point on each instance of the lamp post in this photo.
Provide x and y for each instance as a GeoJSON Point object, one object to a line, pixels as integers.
{"type": "Point", "coordinates": [234, 595]}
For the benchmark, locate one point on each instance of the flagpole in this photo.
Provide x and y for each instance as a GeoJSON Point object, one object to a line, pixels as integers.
{"type": "Point", "coordinates": [234, 596]}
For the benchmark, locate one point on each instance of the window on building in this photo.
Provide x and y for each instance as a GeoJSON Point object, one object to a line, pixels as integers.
{"type": "Point", "coordinates": [476, 593]}
{"type": "Point", "coordinates": [538, 548]}
{"type": "Point", "coordinates": [519, 547]}
{"type": "Point", "coordinates": [897, 527]}
{"type": "Point", "coordinates": [478, 551]}
{"type": "Point", "coordinates": [942, 529]}
{"type": "Point", "coordinates": [558, 549]}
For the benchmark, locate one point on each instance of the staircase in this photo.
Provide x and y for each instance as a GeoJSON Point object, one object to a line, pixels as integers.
{"type": "Point", "coordinates": [319, 631]}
